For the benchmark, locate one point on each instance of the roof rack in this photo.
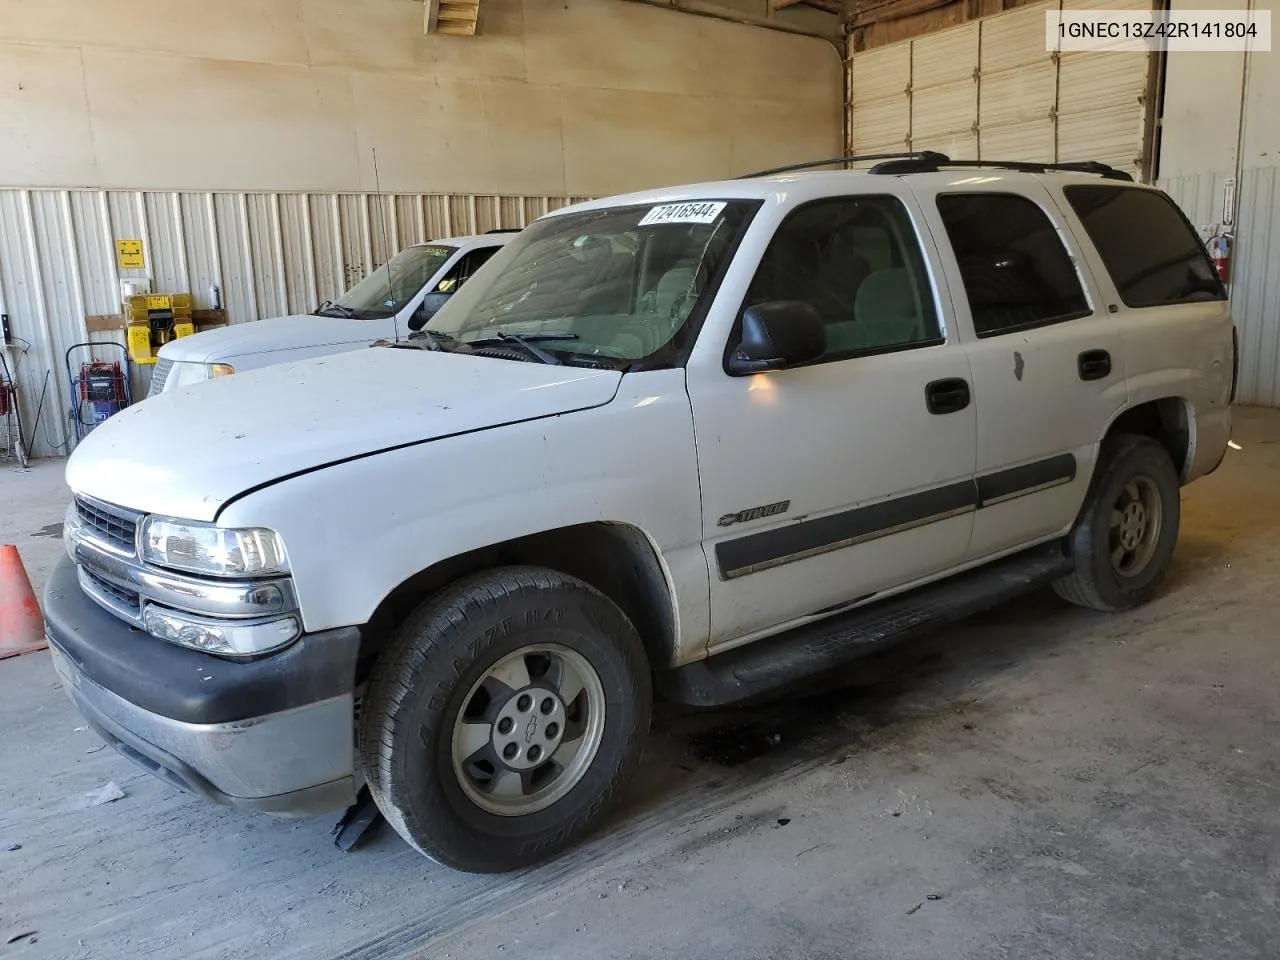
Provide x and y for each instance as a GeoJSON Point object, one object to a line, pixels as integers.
{"type": "Point", "coordinates": [919, 156]}
{"type": "Point", "coordinates": [504, 230]}
{"type": "Point", "coordinates": [936, 162]}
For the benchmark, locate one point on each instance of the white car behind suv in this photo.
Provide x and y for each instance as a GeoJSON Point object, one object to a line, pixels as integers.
{"type": "Point", "coordinates": [398, 297]}
{"type": "Point", "coordinates": [712, 439]}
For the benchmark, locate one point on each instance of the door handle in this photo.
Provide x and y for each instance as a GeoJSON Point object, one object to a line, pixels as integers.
{"type": "Point", "coordinates": [946, 396]}
{"type": "Point", "coordinates": [1094, 364]}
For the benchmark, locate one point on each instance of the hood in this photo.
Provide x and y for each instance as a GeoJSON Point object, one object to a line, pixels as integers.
{"type": "Point", "coordinates": [224, 344]}
{"type": "Point", "coordinates": [187, 452]}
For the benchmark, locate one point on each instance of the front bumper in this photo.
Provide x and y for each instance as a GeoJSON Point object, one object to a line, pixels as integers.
{"type": "Point", "coordinates": [274, 734]}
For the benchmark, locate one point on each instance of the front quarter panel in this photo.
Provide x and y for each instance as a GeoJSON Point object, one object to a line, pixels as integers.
{"type": "Point", "coordinates": [356, 530]}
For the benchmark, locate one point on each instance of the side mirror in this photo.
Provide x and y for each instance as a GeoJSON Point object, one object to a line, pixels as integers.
{"type": "Point", "coordinates": [777, 334]}
{"type": "Point", "coordinates": [427, 309]}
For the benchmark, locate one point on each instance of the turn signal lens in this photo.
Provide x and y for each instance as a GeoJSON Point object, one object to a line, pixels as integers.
{"type": "Point", "coordinates": [221, 637]}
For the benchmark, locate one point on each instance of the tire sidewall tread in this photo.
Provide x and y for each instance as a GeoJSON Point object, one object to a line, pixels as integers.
{"type": "Point", "coordinates": [1094, 582]}
{"type": "Point", "coordinates": [417, 686]}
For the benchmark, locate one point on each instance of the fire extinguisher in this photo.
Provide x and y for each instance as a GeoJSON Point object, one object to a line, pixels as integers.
{"type": "Point", "coordinates": [1220, 253]}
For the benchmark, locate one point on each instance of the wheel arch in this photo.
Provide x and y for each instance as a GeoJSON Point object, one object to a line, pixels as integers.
{"type": "Point", "coordinates": [1170, 421]}
{"type": "Point", "coordinates": [618, 559]}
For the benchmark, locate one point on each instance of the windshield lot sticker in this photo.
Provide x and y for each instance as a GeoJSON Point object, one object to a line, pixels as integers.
{"type": "Point", "coordinates": [701, 211]}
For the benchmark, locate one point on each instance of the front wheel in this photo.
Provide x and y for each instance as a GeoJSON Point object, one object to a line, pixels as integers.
{"type": "Point", "coordinates": [503, 718]}
{"type": "Point", "coordinates": [1123, 541]}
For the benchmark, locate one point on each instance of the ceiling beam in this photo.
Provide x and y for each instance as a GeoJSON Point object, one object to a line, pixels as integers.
{"type": "Point", "coordinates": [703, 8]}
{"type": "Point", "coordinates": [879, 11]}
{"type": "Point", "coordinates": [834, 7]}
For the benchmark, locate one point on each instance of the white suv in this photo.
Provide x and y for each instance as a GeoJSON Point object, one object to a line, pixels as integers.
{"type": "Point", "coordinates": [712, 438]}
{"type": "Point", "coordinates": [400, 296]}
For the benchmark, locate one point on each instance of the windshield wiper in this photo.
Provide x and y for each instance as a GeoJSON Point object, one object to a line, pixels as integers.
{"type": "Point", "coordinates": [433, 340]}
{"type": "Point", "coordinates": [527, 342]}
{"type": "Point", "coordinates": [598, 362]}
{"type": "Point", "coordinates": [331, 309]}
{"type": "Point", "coordinates": [502, 337]}
{"type": "Point", "coordinates": [536, 352]}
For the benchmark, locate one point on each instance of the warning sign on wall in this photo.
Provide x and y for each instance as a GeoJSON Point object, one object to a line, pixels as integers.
{"type": "Point", "coordinates": [129, 254]}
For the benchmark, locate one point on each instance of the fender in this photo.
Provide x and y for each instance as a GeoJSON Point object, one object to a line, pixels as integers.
{"type": "Point", "coordinates": [356, 530]}
{"type": "Point", "coordinates": [1172, 416]}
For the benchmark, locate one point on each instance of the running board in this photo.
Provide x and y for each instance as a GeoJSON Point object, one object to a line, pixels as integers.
{"type": "Point", "coordinates": [825, 644]}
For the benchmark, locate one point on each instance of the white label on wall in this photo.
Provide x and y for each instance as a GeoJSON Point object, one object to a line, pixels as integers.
{"type": "Point", "coordinates": [697, 211]}
{"type": "Point", "coordinates": [1229, 202]}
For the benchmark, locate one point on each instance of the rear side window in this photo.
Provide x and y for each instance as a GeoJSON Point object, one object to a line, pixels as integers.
{"type": "Point", "coordinates": [1150, 250]}
{"type": "Point", "coordinates": [1016, 272]}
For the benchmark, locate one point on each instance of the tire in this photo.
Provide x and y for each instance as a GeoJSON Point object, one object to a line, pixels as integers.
{"type": "Point", "coordinates": [1111, 573]}
{"type": "Point", "coordinates": [444, 701]}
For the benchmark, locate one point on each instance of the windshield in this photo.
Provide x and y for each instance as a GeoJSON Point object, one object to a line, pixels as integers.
{"type": "Point", "coordinates": [392, 285]}
{"type": "Point", "coordinates": [619, 283]}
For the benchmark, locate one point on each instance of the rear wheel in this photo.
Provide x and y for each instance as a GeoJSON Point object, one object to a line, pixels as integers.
{"type": "Point", "coordinates": [1124, 539]}
{"type": "Point", "coordinates": [504, 717]}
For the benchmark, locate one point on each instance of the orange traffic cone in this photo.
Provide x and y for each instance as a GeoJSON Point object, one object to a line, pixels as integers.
{"type": "Point", "coordinates": [21, 626]}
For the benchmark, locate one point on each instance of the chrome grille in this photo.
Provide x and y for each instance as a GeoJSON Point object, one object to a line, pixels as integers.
{"type": "Point", "coordinates": [159, 374]}
{"type": "Point", "coordinates": [126, 597]}
{"type": "Point", "coordinates": [115, 527]}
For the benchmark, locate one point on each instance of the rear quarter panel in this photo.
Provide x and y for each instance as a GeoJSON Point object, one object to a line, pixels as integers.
{"type": "Point", "coordinates": [1181, 351]}
{"type": "Point", "coordinates": [1185, 351]}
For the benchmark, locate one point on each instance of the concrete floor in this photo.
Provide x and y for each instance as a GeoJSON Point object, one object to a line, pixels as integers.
{"type": "Point", "coordinates": [1040, 782]}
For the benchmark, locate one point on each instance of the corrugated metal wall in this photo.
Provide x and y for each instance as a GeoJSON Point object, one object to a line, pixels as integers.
{"type": "Point", "coordinates": [1255, 268]}
{"type": "Point", "coordinates": [269, 253]}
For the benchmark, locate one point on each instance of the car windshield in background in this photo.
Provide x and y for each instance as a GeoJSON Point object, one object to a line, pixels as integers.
{"type": "Point", "coordinates": [618, 284]}
{"type": "Point", "coordinates": [391, 286]}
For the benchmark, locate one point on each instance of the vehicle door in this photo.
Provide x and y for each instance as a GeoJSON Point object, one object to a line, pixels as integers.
{"type": "Point", "coordinates": [1048, 361]}
{"type": "Point", "coordinates": [832, 481]}
{"type": "Point", "coordinates": [447, 282]}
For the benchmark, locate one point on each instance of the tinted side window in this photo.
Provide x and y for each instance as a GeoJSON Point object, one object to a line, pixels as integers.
{"type": "Point", "coordinates": [1152, 253]}
{"type": "Point", "coordinates": [1016, 272]}
{"type": "Point", "coordinates": [478, 258]}
{"type": "Point", "coordinates": [857, 260]}
{"type": "Point", "coordinates": [462, 271]}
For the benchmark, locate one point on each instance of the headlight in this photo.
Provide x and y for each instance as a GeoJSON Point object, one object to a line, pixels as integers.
{"type": "Point", "coordinates": [224, 637]}
{"type": "Point", "coordinates": [214, 551]}
{"type": "Point", "coordinates": [183, 373]}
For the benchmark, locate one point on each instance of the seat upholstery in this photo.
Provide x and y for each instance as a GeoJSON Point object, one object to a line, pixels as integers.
{"type": "Point", "coordinates": [662, 311]}
{"type": "Point", "coordinates": [885, 312]}
{"type": "Point", "coordinates": [676, 290]}
{"type": "Point", "coordinates": [1000, 291]}
{"type": "Point", "coordinates": [838, 278]}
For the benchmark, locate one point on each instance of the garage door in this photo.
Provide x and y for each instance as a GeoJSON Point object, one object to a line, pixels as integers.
{"type": "Point", "coordinates": [1102, 101]}
{"type": "Point", "coordinates": [1019, 87]}
{"type": "Point", "coordinates": [990, 89]}
{"type": "Point", "coordinates": [944, 91]}
{"type": "Point", "coordinates": [879, 108]}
